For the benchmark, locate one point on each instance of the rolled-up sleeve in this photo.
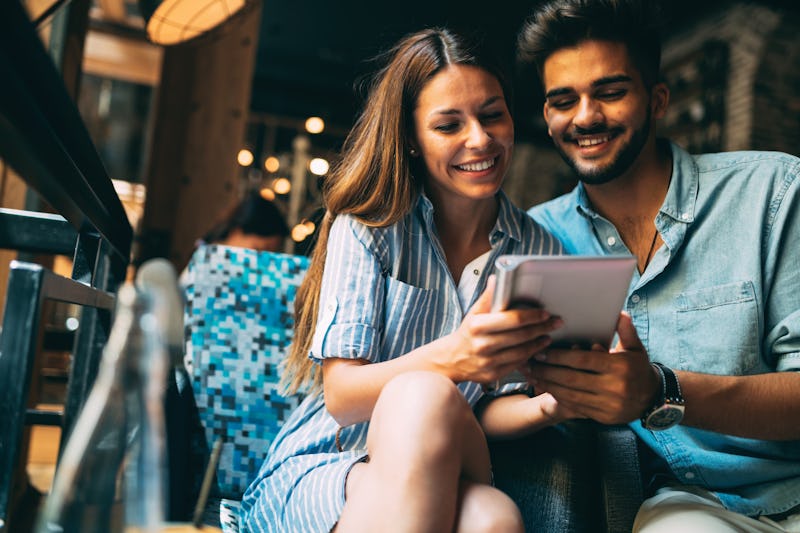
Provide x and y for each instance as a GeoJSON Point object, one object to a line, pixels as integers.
{"type": "Point", "coordinates": [783, 278]}
{"type": "Point", "coordinates": [351, 299]}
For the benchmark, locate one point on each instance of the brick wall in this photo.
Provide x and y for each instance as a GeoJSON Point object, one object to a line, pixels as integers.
{"type": "Point", "coordinates": [762, 93]}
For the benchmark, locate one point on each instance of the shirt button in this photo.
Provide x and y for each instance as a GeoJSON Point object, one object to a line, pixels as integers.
{"type": "Point", "coordinates": [476, 272]}
{"type": "Point", "coordinates": [689, 475]}
{"type": "Point", "coordinates": [635, 298]}
{"type": "Point", "coordinates": [611, 241]}
{"type": "Point", "coordinates": [684, 216]}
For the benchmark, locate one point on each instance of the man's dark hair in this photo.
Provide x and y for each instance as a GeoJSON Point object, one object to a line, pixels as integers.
{"type": "Point", "coordinates": [561, 24]}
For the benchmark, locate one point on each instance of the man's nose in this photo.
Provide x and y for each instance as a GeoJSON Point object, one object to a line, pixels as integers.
{"type": "Point", "coordinates": [588, 114]}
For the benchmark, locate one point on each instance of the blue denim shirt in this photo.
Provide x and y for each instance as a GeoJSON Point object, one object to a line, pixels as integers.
{"type": "Point", "coordinates": [721, 296]}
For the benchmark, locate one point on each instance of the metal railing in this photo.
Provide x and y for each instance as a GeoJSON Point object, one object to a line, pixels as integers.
{"type": "Point", "coordinates": [43, 138]}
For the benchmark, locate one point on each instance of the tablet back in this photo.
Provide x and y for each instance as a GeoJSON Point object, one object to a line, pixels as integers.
{"type": "Point", "coordinates": [587, 292]}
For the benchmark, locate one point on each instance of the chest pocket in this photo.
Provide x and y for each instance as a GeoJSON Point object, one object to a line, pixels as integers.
{"type": "Point", "coordinates": [408, 317]}
{"type": "Point", "coordinates": [718, 329]}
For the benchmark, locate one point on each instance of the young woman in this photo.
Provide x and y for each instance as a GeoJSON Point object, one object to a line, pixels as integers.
{"type": "Point", "coordinates": [383, 340]}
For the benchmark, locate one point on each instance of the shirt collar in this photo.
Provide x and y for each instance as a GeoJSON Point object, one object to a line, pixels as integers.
{"type": "Point", "coordinates": [680, 200]}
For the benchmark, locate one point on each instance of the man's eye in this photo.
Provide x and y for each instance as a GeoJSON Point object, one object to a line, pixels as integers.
{"type": "Point", "coordinates": [562, 104]}
{"type": "Point", "coordinates": [613, 95]}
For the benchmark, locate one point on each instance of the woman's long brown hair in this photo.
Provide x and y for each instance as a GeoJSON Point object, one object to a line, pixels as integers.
{"type": "Point", "coordinates": [374, 179]}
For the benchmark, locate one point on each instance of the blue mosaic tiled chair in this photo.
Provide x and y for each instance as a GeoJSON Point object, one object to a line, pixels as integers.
{"type": "Point", "coordinates": [238, 325]}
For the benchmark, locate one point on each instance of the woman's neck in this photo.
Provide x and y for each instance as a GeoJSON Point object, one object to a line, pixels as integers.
{"type": "Point", "coordinates": [464, 229]}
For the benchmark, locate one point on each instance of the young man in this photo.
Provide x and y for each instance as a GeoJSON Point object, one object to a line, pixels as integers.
{"type": "Point", "coordinates": [706, 371]}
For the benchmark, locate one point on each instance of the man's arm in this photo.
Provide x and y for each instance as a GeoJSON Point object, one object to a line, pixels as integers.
{"type": "Point", "coordinates": [619, 386]}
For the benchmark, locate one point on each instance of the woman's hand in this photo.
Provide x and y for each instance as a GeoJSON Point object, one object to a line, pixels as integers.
{"type": "Point", "coordinates": [516, 415]}
{"type": "Point", "coordinates": [488, 345]}
{"type": "Point", "coordinates": [485, 347]}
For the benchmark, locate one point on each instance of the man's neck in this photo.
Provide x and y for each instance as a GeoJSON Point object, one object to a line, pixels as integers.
{"type": "Point", "coordinates": [637, 195]}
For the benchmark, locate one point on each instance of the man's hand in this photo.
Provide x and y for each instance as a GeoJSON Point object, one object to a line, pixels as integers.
{"type": "Point", "coordinates": [611, 387]}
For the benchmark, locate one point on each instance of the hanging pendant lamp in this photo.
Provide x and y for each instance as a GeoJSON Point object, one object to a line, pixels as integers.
{"type": "Point", "coordinates": [171, 22]}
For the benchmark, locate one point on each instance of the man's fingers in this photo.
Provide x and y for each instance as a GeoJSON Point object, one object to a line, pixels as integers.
{"type": "Point", "coordinates": [628, 338]}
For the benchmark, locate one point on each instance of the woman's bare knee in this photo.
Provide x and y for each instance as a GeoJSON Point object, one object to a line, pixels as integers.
{"type": "Point", "coordinates": [485, 509]}
{"type": "Point", "coordinates": [421, 409]}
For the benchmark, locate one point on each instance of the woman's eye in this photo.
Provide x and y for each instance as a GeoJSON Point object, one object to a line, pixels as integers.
{"type": "Point", "coordinates": [446, 128]}
{"type": "Point", "coordinates": [492, 116]}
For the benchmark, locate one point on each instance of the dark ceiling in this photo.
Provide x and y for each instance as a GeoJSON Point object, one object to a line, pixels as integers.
{"type": "Point", "coordinates": [311, 52]}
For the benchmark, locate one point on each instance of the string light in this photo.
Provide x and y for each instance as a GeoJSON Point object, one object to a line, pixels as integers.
{"type": "Point", "coordinates": [299, 233]}
{"type": "Point", "coordinates": [282, 186]}
{"type": "Point", "coordinates": [245, 157]}
{"type": "Point", "coordinates": [315, 125]}
{"type": "Point", "coordinates": [318, 166]}
{"type": "Point", "coordinates": [272, 164]}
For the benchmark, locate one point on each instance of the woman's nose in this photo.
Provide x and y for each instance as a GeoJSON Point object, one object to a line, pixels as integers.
{"type": "Point", "coordinates": [477, 136]}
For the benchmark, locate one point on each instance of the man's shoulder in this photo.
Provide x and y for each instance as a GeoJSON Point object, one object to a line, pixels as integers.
{"type": "Point", "coordinates": [745, 160]}
{"type": "Point", "coordinates": [557, 208]}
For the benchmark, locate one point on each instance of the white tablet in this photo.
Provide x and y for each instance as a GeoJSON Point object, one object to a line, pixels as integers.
{"type": "Point", "coordinates": [587, 292]}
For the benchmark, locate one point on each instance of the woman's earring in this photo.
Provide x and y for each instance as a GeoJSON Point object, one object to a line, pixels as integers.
{"type": "Point", "coordinates": [413, 152]}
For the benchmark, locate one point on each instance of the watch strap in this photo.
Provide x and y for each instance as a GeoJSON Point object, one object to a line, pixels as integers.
{"type": "Point", "coordinates": [670, 388]}
{"type": "Point", "coordinates": [670, 395]}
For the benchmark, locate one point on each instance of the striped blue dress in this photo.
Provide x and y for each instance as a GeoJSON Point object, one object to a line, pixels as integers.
{"type": "Point", "coordinates": [385, 292]}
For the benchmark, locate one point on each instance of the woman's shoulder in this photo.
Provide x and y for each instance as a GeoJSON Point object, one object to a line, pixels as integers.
{"type": "Point", "coordinates": [534, 238]}
{"type": "Point", "coordinates": [383, 242]}
{"type": "Point", "coordinates": [351, 226]}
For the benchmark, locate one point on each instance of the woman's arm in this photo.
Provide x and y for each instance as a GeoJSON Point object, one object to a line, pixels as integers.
{"type": "Point", "coordinates": [485, 347]}
{"type": "Point", "coordinates": [516, 415]}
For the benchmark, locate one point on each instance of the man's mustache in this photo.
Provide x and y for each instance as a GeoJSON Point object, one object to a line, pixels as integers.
{"type": "Point", "coordinates": [593, 130]}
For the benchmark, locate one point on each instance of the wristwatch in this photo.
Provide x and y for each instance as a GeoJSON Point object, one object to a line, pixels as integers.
{"type": "Point", "coordinates": [668, 409]}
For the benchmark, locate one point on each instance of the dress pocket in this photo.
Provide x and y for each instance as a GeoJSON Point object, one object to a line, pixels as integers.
{"type": "Point", "coordinates": [718, 329]}
{"type": "Point", "coordinates": [409, 316]}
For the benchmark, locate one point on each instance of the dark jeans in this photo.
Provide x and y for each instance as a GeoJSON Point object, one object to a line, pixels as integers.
{"type": "Point", "coordinates": [553, 477]}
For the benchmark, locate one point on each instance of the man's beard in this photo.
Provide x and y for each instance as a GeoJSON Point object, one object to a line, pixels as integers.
{"type": "Point", "coordinates": [623, 161]}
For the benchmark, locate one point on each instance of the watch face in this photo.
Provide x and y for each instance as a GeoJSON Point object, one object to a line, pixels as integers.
{"type": "Point", "coordinates": [665, 417]}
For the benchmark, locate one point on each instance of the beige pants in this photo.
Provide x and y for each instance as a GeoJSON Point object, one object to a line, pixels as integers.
{"type": "Point", "coordinates": [694, 510]}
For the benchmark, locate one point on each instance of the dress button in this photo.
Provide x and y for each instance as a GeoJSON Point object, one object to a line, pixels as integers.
{"type": "Point", "coordinates": [611, 241]}
{"type": "Point", "coordinates": [635, 298]}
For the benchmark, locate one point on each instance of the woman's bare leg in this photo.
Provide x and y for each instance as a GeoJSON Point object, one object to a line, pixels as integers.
{"type": "Point", "coordinates": [424, 443]}
{"type": "Point", "coordinates": [484, 509]}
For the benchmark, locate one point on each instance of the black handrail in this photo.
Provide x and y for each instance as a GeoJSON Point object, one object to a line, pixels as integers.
{"type": "Point", "coordinates": [43, 137]}
{"type": "Point", "coordinates": [28, 231]}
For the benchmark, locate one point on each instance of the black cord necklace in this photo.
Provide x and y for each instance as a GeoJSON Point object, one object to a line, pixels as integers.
{"type": "Point", "coordinates": [650, 251]}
